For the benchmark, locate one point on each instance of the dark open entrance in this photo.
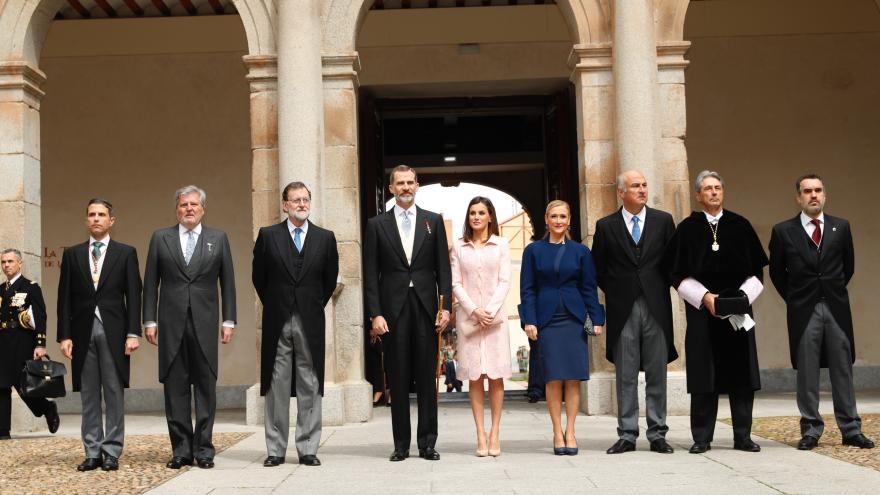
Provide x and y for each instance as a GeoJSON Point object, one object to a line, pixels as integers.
{"type": "Point", "coordinates": [523, 145]}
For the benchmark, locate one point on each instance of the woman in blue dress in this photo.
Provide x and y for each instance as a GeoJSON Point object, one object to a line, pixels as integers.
{"type": "Point", "coordinates": [558, 292]}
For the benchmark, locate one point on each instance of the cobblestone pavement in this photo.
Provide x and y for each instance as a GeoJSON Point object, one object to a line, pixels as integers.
{"type": "Point", "coordinates": [47, 465]}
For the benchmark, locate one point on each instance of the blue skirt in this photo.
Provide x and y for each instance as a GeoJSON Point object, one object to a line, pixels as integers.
{"type": "Point", "coordinates": [564, 349]}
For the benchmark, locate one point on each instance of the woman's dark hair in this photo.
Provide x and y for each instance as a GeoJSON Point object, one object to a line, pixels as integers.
{"type": "Point", "coordinates": [468, 232]}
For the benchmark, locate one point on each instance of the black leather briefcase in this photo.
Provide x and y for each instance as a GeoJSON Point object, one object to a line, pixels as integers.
{"type": "Point", "coordinates": [43, 378]}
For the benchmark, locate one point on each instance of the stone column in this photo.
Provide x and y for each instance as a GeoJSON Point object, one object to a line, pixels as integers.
{"type": "Point", "coordinates": [672, 160]}
{"type": "Point", "coordinates": [597, 165]}
{"type": "Point", "coordinates": [20, 200]}
{"type": "Point", "coordinates": [265, 197]}
{"type": "Point", "coordinates": [300, 95]}
{"type": "Point", "coordinates": [635, 73]}
{"type": "Point", "coordinates": [340, 191]}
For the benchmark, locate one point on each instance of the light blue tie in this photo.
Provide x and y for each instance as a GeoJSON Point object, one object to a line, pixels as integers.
{"type": "Point", "coordinates": [297, 240]}
{"type": "Point", "coordinates": [407, 224]}
{"type": "Point", "coordinates": [96, 250]}
{"type": "Point", "coordinates": [190, 246]}
{"type": "Point", "coordinates": [637, 232]}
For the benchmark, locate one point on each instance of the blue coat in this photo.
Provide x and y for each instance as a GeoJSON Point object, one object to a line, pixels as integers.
{"type": "Point", "coordinates": [542, 288]}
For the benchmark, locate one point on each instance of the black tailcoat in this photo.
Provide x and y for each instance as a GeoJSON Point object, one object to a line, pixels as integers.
{"type": "Point", "coordinates": [118, 297]}
{"type": "Point", "coordinates": [623, 276]}
{"type": "Point", "coordinates": [282, 290]}
{"type": "Point", "coordinates": [718, 358]}
{"type": "Point", "coordinates": [804, 275]}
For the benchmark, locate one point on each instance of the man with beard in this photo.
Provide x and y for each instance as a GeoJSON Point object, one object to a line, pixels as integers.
{"type": "Point", "coordinates": [189, 261]}
{"type": "Point", "coordinates": [811, 262]}
{"type": "Point", "coordinates": [406, 267]}
{"type": "Point", "coordinates": [716, 251]}
{"type": "Point", "coordinates": [294, 272]}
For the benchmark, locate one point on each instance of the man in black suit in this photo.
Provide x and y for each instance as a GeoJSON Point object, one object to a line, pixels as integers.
{"type": "Point", "coordinates": [628, 248]}
{"type": "Point", "coordinates": [294, 272]}
{"type": "Point", "coordinates": [406, 267]}
{"type": "Point", "coordinates": [188, 260]}
{"type": "Point", "coordinates": [99, 326]}
{"type": "Point", "coordinates": [811, 262]}
{"type": "Point", "coordinates": [452, 382]}
{"type": "Point", "coordinates": [22, 337]}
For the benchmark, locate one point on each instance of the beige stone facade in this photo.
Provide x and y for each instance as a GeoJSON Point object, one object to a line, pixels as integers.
{"type": "Point", "coordinates": [241, 104]}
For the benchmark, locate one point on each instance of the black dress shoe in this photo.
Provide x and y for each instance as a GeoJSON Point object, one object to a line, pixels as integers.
{"type": "Point", "coordinates": [533, 399]}
{"type": "Point", "coordinates": [429, 454]}
{"type": "Point", "coordinates": [310, 460]}
{"type": "Point", "coordinates": [700, 448]}
{"type": "Point", "coordinates": [53, 421]}
{"type": "Point", "coordinates": [662, 446]}
{"type": "Point", "coordinates": [110, 463]}
{"type": "Point", "coordinates": [747, 445]}
{"type": "Point", "coordinates": [205, 462]}
{"type": "Point", "coordinates": [273, 461]}
{"type": "Point", "coordinates": [5, 436]}
{"type": "Point", "coordinates": [179, 462]}
{"type": "Point", "coordinates": [808, 443]}
{"type": "Point", "coordinates": [860, 441]}
{"type": "Point", "coordinates": [398, 455]}
{"type": "Point", "coordinates": [621, 446]}
{"type": "Point", "coordinates": [90, 464]}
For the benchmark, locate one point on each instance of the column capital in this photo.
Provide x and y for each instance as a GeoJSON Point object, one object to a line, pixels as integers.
{"type": "Point", "coordinates": [341, 67]}
{"type": "Point", "coordinates": [670, 54]}
{"type": "Point", "coordinates": [262, 71]}
{"type": "Point", "coordinates": [590, 57]}
{"type": "Point", "coordinates": [21, 81]}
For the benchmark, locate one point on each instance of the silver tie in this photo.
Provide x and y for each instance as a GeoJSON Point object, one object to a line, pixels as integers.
{"type": "Point", "coordinates": [407, 224]}
{"type": "Point", "coordinates": [190, 246]}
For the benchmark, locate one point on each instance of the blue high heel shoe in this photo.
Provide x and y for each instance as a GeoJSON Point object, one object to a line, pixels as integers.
{"type": "Point", "coordinates": [569, 450]}
{"type": "Point", "coordinates": [560, 450]}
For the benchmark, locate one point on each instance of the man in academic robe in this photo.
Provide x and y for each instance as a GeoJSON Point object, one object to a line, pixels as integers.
{"type": "Point", "coordinates": [628, 248]}
{"type": "Point", "coordinates": [294, 272]}
{"type": "Point", "coordinates": [713, 251]}
{"type": "Point", "coordinates": [22, 337]}
{"type": "Point", "coordinates": [189, 261]}
{"type": "Point", "coordinates": [406, 268]}
{"type": "Point", "coordinates": [811, 263]}
{"type": "Point", "coordinates": [99, 327]}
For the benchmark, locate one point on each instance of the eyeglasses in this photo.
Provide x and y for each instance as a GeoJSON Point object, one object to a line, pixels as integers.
{"type": "Point", "coordinates": [300, 201]}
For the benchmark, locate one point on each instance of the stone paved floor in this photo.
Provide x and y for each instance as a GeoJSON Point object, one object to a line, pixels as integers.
{"type": "Point", "coordinates": [355, 459]}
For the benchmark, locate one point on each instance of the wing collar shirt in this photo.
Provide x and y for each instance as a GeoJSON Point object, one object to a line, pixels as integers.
{"type": "Point", "coordinates": [302, 235]}
{"type": "Point", "coordinates": [692, 291]}
{"type": "Point", "coordinates": [807, 222]}
{"type": "Point", "coordinates": [628, 218]}
{"type": "Point", "coordinates": [406, 240]}
{"type": "Point", "coordinates": [95, 267]}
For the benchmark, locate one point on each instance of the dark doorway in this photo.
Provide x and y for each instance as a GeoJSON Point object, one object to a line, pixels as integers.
{"type": "Point", "coordinates": [523, 145]}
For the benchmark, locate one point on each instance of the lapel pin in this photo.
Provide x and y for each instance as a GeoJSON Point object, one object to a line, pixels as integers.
{"type": "Point", "coordinates": [833, 229]}
{"type": "Point", "coordinates": [428, 227]}
{"type": "Point", "coordinates": [210, 247]}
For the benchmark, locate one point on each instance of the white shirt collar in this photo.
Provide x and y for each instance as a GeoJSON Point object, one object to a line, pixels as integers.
{"type": "Point", "coordinates": [627, 216]}
{"type": "Point", "coordinates": [291, 226]}
{"type": "Point", "coordinates": [410, 211]}
{"type": "Point", "coordinates": [105, 240]}
{"type": "Point", "coordinates": [712, 219]}
{"type": "Point", "coordinates": [183, 230]}
{"type": "Point", "coordinates": [806, 220]}
{"type": "Point", "coordinates": [14, 279]}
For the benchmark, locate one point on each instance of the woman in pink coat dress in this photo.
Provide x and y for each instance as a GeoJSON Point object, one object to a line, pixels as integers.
{"type": "Point", "coordinates": [480, 262]}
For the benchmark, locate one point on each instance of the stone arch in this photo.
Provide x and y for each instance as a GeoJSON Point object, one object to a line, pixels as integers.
{"type": "Point", "coordinates": [589, 21]}
{"type": "Point", "coordinates": [25, 23]}
{"type": "Point", "coordinates": [669, 24]}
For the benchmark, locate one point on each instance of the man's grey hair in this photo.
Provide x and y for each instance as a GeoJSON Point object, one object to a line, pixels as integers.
{"type": "Point", "coordinates": [698, 182]}
{"type": "Point", "coordinates": [183, 191]}
{"type": "Point", "coordinates": [14, 251]}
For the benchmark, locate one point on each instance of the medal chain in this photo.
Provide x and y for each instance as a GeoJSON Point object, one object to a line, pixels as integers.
{"type": "Point", "coordinates": [714, 228]}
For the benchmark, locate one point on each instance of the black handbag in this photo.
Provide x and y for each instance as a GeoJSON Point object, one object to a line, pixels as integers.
{"type": "Point", "coordinates": [731, 302]}
{"type": "Point", "coordinates": [43, 378]}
